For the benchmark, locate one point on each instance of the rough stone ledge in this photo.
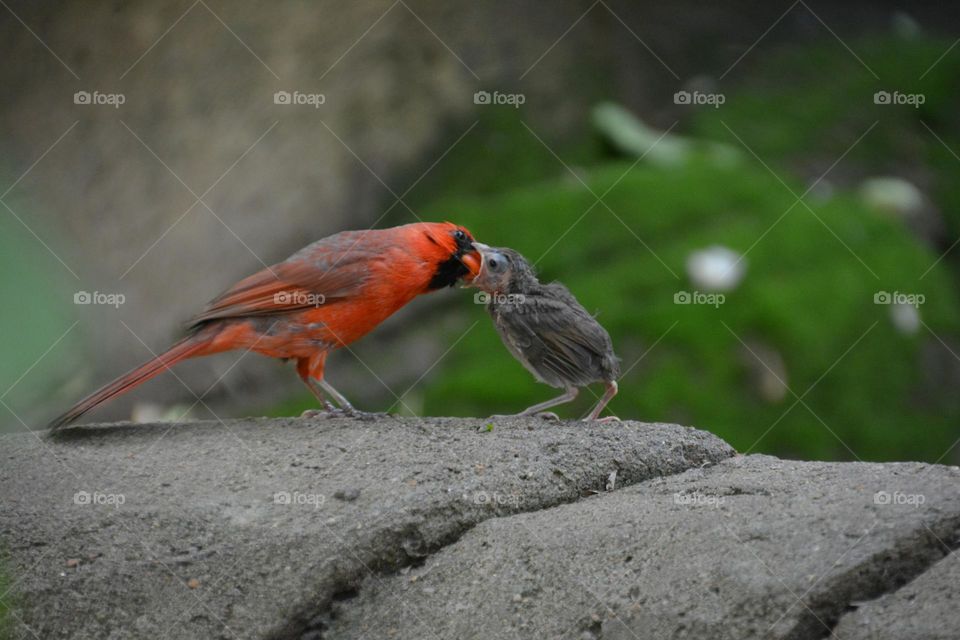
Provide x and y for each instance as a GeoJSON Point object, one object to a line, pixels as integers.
{"type": "Point", "coordinates": [753, 547]}
{"type": "Point", "coordinates": [917, 610]}
{"type": "Point", "coordinates": [255, 528]}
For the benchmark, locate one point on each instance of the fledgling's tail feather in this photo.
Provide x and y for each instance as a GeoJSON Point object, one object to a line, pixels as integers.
{"type": "Point", "coordinates": [186, 348]}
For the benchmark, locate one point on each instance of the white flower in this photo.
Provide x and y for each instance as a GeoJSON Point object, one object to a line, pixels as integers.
{"type": "Point", "coordinates": [716, 268]}
{"type": "Point", "coordinates": [892, 194]}
{"type": "Point", "coordinates": [906, 318]}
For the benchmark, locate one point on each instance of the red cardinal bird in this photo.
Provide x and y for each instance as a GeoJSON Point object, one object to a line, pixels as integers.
{"type": "Point", "coordinates": [325, 296]}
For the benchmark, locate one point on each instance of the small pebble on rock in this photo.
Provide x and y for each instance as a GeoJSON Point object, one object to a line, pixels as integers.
{"type": "Point", "coordinates": [347, 495]}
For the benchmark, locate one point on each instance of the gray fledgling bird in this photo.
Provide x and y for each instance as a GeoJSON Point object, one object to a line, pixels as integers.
{"type": "Point", "coordinates": [546, 329]}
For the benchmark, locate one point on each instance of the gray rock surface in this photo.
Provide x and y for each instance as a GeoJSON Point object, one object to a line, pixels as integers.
{"type": "Point", "coordinates": [753, 547]}
{"type": "Point", "coordinates": [450, 528]}
{"type": "Point", "coordinates": [254, 529]}
{"type": "Point", "coordinates": [915, 612]}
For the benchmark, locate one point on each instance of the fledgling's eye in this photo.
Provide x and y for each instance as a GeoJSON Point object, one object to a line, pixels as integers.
{"type": "Point", "coordinates": [497, 263]}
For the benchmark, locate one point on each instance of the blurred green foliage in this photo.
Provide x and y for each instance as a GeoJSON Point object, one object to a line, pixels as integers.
{"type": "Point", "coordinates": [34, 318]}
{"type": "Point", "coordinates": [811, 103]}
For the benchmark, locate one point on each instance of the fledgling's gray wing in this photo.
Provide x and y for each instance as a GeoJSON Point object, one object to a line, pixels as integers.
{"type": "Point", "coordinates": [556, 339]}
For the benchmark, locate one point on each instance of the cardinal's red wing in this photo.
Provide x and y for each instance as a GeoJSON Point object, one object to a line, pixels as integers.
{"type": "Point", "coordinates": [320, 274]}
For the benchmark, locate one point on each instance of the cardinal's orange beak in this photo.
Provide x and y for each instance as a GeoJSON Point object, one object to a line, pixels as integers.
{"type": "Point", "coordinates": [474, 262]}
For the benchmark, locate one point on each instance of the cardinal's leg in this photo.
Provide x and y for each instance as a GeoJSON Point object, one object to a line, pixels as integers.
{"type": "Point", "coordinates": [307, 369]}
{"type": "Point", "coordinates": [317, 382]}
{"type": "Point", "coordinates": [607, 396]}
{"type": "Point", "coordinates": [336, 395]}
{"type": "Point", "coordinates": [303, 370]}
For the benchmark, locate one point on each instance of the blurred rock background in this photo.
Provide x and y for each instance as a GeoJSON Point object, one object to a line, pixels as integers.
{"type": "Point", "coordinates": [603, 175]}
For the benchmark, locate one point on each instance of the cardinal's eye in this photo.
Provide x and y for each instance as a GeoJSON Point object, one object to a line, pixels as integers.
{"type": "Point", "coordinates": [459, 235]}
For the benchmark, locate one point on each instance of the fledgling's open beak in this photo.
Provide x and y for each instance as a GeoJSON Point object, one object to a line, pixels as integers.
{"type": "Point", "coordinates": [474, 262]}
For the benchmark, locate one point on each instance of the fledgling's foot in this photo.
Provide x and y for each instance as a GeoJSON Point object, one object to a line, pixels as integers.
{"type": "Point", "coordinates": [366, 416]}
{"type": "Point", "coordinates": [544, 415]}
{"type": "Point", "coordinates": [606, 419]}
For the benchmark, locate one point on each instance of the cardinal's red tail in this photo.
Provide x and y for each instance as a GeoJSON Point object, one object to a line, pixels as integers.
{"type": "Point", "coordinates": [188, 347]}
